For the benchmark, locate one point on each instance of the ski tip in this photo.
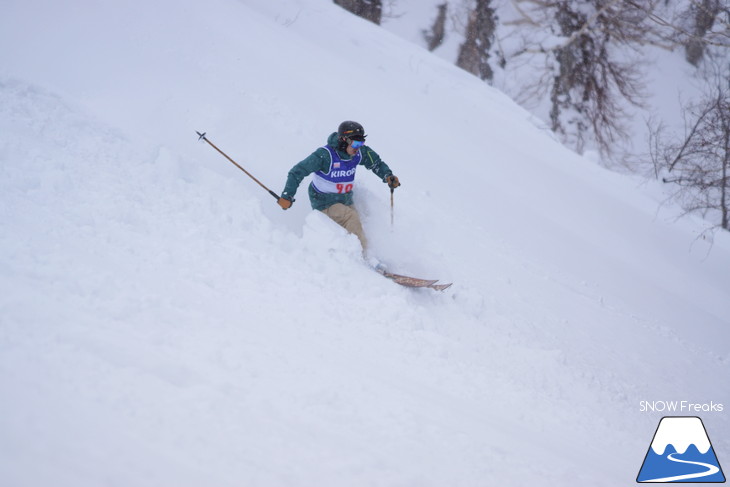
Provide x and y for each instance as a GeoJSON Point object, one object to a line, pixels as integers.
{"type": "Point", "coordinates": [201, 136]}
{"type": "Point", "coordinates": [441, 287]}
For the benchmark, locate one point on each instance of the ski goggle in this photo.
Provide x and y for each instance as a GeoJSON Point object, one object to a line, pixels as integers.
{"type": "Point", "coordinates": [356, 144]}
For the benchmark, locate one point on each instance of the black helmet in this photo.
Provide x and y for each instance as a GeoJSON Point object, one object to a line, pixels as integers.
{"type": "Point", "coordinates": [351, 130]}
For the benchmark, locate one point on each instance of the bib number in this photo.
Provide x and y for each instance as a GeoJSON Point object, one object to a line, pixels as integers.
{"type": "Point", "coordinates": [344, 188]}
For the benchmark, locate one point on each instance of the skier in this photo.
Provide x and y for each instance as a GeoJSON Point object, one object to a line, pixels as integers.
{"type": "Point", "coordinates": [334, 168]}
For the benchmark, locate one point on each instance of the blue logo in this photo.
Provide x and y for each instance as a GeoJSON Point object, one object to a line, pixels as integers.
{"type": "Point", "coordinates": [681, 452]}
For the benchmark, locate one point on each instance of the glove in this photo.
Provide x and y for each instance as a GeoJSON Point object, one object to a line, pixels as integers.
{"type": "Point", "coordinates": [392, 181]}
{"type": "Point", "coordinates": [285, 203]}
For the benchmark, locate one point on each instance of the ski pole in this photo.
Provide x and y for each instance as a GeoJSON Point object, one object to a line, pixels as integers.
{"type": "Point", "coordinates": [391, 207]}
{"type": "Point", "coordinates": [203, 137]}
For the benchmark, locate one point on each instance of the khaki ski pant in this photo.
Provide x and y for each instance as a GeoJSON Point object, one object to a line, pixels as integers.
{"type": "Point", "coordinates": [347, 217]}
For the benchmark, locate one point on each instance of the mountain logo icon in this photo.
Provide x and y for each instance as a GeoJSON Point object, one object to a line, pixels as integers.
{"type": "Point", "coordinates": [680, 452]}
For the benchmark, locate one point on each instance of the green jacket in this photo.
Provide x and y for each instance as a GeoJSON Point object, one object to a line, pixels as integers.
{"type": "Point", "coordinates": [319, 160]}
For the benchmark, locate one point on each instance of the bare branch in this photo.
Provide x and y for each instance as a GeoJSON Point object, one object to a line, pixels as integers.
{"type": "Point", "coordinates": [672, 26]}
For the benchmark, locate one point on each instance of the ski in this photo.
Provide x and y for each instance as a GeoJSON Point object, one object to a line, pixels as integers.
{"type": "Point", "coordinates": [409, 281]}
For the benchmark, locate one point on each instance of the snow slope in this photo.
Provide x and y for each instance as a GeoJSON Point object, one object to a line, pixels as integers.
{"type": "Point", "coordinates": [163, 322]}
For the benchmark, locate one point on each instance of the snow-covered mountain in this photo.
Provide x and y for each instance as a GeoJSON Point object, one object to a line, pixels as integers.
{"type": "Point", "coordinates": [163, 322]}
{"type": "Point", "coordinates": [681, 452]}
{"type": "Point", "coordinates": [680, 432]}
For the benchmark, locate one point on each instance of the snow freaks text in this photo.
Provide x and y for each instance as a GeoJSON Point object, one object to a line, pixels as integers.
{"type": "Point", "coordinates": [680, 407]}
